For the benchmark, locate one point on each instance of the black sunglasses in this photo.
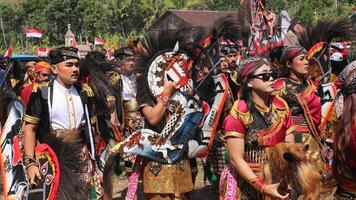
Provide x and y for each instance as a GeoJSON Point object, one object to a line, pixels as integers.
{"type": "Point", "coordinates": [264, 76]}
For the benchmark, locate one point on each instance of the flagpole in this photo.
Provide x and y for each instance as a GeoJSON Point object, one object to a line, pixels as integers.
{"type": "Point", "coordinates": [3, 32]}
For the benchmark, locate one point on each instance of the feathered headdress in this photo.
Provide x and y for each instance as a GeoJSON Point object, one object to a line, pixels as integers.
{"type": "Point", "coordinates": [317, 40]}
{"type": "Point", "coordinates": [92, 71]}
{"type": "Point", "coordinates": [223, 38]}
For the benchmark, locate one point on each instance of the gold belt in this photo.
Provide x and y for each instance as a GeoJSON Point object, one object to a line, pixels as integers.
{"type": "Point", "coordinates": [74, 135]}
{"type": "Point", "coordinates": [130, 105]}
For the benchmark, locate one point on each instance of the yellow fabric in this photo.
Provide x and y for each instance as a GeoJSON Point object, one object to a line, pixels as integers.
{"type": "Point", "coordinates": [245, 117]}
{"type": "Point", "coordinates": [234, 134]}
{"type": "Point", "coordinates": [314, 151]}
{"type": "Point", "coordinates": [290, 130]}
{"type": "Point", "coordinates": [171, 179]}
{"type": "Point", "coordinates": [87, 89]}
{"type": "Point", "coordinates": [31, 120]}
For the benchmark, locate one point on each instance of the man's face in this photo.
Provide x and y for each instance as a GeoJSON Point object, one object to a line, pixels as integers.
{"type": "Point", "coordinates": [67, 72]}
{"type": "Point", "coordinates": [224, 66]}
{"type": "Point", "coordinates": [127, 65]}
{"type": "Point", "coordinates": [30, 66]}
{"type": "Point", "coordinates": [43, 76]}
{"type": "Point", "coordinates": [232, 60]}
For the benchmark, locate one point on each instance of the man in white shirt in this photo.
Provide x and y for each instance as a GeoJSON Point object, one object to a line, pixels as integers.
{"type": "Point", "coordinates": [60, 114]}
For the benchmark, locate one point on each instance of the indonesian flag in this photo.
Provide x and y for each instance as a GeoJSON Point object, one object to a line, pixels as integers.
{"type": "Point", "coordinates": [109, 54]}
{"type": "Point", "coordinates": [32, 32]}
{"type": "Point", "coordinates": [42, 52]}
{"type": "Point", "coordinates": [98, 41]}
{"type": "Point", "coordinates": [8, 52]}
{"type": "Point", "coordinates": [74, 43]}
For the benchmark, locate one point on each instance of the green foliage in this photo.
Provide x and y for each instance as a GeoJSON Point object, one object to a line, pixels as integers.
{"type": "Point", "coordinates": [310, 11]}
{"type": "Point", "coordinates": [119, 20]}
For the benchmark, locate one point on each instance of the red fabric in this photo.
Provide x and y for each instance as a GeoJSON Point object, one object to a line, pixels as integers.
{"type": "Point", "coordinates": [25, 94]}
{"type": "Point", "coordinates": [232, 124]}
{"type": "Point", "coordinates": [235, 124]}
{"type": "Point", "coordinates": [17, 151]}
{"type": "Point", "coordinates": [278, 84]}
{"type": "Point", "coordinates": [100, 145]}
{"type": "Point", "coordinates": [8, 52]}
{"type": "Point", "coordinates": [54, 189]}
{"type": "Point", "coordinates": [314, 104]}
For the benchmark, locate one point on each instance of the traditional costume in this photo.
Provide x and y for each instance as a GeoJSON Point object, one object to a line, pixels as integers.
{"type": "Point", "coordinates": [305, 105]}
{"type": "Point", "coordinates": [27, 90]}
{"type": "Point", "coordinates": [225, 49]}
{"type": "Point", "coordinates": [260, 128]}
{"type": "Point", "coordinates": [132, 118]}
{"type": "Point", "coordinates": [64, 119]}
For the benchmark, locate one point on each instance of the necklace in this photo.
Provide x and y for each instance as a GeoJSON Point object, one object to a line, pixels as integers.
{"type": "Point", "coordinates": [262, 108]}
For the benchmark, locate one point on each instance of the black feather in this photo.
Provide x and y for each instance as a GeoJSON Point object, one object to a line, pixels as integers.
{"type": "Point", "coordinates": [326, 31]}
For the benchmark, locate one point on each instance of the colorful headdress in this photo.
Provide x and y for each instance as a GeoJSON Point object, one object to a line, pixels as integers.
{"type": "Point", "coordinates": [62, 54]}
{"type": "Point", "coordinates": [317, 40]}
{"type": "Point", "coordinates": [291, 52]}
{"type": "Point", "coordinates": [42, 66]}
{"type": "Point", "coordinates": [248, 66]}
{"type": "Point", "coordinates": [224, 38]}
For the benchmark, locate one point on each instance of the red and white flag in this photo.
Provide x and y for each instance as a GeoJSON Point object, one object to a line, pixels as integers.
{"type": "Point", "coordinates": [98, 41]}
{"type": "Point", "coordinates": [8, 52]}
{"type": "Point", "coordinates": [109, 54]}
{"type": "Point", "coordinates": [32, 32]}
{"type": "Point", "coordinates": [42, 52]}
{"type": "Point", "coordinates": [74, 43]}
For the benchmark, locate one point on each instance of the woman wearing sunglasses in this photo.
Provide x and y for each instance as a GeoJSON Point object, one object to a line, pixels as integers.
{"type": "Point", "coordinates": [301, 95]}
{"type": "Point", "coordinates": [257, 120]}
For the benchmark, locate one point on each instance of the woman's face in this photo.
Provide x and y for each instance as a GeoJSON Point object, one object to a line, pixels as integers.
{"type": "Point", "coordinates": [262, 81]}
{"type": "Point", "coordinates": [300, 65]}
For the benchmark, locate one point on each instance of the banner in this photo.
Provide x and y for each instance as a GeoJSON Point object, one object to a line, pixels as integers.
{"type": "Point", "coordinates": [35, 33]}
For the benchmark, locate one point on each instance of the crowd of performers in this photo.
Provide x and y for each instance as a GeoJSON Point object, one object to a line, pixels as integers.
{"type": "Point", "coordinates": [261, 124]}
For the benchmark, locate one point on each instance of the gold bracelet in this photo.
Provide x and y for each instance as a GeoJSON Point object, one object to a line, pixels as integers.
{"type": "Point", "coordinates": [29, 160]}
{"type": "Point", "coordinates": [29, 165]}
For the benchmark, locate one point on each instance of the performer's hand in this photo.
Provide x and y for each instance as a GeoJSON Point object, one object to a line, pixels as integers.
{"type": "Point", "coordinates": [170, 87]}
{"type": "Point", "coordinates": [33, 173]}
{"type": "Point", "coordinates": [271, 190]}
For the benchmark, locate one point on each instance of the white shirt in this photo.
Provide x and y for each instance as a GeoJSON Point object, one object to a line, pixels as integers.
{"type": "Point", "coordinates": [66, 111]}
{"type": "Point", "coordinates": [128, 87]}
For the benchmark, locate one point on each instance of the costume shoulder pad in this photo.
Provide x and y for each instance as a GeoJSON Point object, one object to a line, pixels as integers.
{"type": "Point", "coordinates": [279, 86]}
{"type": "Point", "coordinates": [279, 102]}
{"type": "Point", "coordinates": [87, 89]}
{"type": "Point", "coordinates": [40, 87]}
{"type": "Point", "coordinates": [240, 110]}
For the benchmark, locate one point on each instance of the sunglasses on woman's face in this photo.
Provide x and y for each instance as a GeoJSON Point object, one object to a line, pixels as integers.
{"type": "Point", "coordinates": [264, 76]}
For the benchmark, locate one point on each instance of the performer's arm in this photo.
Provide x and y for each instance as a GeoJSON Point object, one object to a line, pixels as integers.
{"type": "Point", "coordinates": [236, 151]}
{"type": "Point", "coordinates": [29, 157]}
{"type": "Point", "coordinates": [30, 139]}
{"type": "Point", "coordinates": [155, 114]}
{"type": "Point", "coordinates": [32, 119]}
{"type": "Point", "coordinates": [235, 147]}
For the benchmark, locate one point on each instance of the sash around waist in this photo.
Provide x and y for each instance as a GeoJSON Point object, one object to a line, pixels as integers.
{"type": "Point", "coordinates": [75, 135]}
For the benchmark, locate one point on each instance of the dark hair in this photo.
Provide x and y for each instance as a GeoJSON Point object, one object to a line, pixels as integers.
{"type": "Point", "coordinates": [276, 53]}
{"type": "Point", "coordinates": [345, 131]}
